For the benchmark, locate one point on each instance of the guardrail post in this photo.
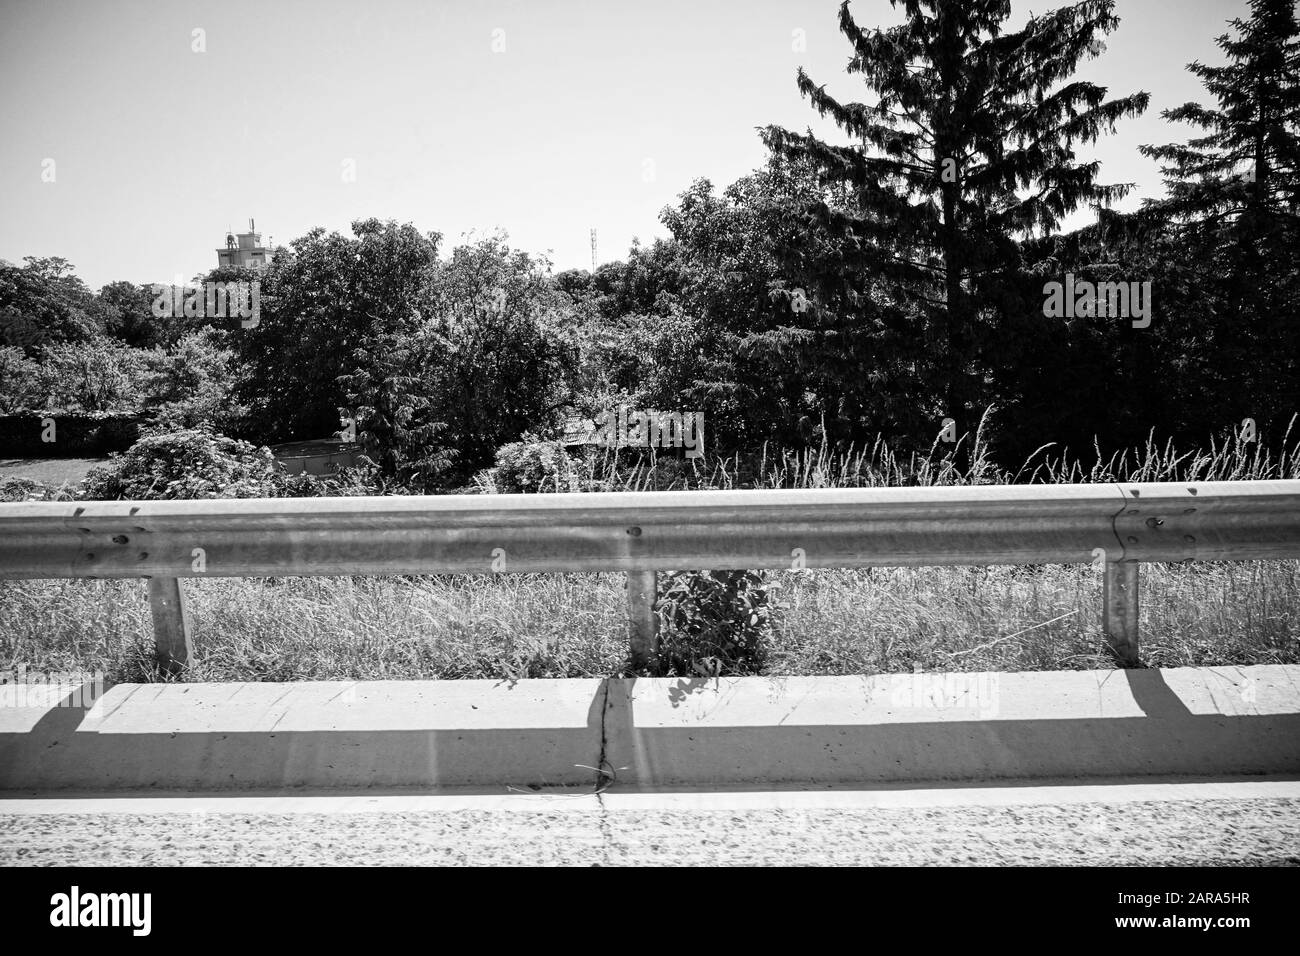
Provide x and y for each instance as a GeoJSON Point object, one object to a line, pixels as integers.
{"type": "Point", "coordinates": [1120, 610]}
{"type": "Point", "coordinates": [643, 623]}
{"type": "Point", "coordinates": [171, 624]}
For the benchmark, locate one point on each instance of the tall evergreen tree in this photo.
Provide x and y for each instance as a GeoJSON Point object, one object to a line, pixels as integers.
{"type": "Point", "coordinates": [1248, 164]}
{"type": "Point", "coordinates": [1233, 205]}
{"type": "Point", "coordinates": [968, 145]}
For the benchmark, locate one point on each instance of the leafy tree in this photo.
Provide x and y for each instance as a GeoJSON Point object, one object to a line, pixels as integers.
{"type": "Point", "coordinates": [322, 308]}
{"type": "Point", "coordinates": [128, 315]}
{"type": "Point", "coordinates": [192, 385]}
{"type": "Point", "coordinates": [92, 376]}
{"type": "Point", "coordinates": [19, 381]}
{"type": "Point", "coordinates": [43, 301]}
{"type": "Point", "coordinates": [389, 398]}
{"type": "Point", "coordinates": [492, 358]}
{"type": "Point", "coordinates": [747, 343]}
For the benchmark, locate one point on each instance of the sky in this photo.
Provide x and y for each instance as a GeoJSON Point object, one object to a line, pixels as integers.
{"type": "Point", "coordinates": [135, 133]}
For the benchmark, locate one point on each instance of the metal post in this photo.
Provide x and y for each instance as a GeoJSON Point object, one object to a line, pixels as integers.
{"type": "Point", "coordinates": [643, 623]}
{"type": "Point", "coordinates": [1120, 610]}
{"type": "Point", "coordinates": [171, 624]}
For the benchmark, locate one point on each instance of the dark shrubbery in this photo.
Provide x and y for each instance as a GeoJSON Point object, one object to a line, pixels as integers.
{"type": "Point", "coordinates": [714, 623]}
{"type": "Point", "coordinates": [76, 434]}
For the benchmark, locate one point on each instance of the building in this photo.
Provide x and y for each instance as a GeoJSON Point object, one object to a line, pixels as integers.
{"type": "Point", "coordinates": [244, 251]}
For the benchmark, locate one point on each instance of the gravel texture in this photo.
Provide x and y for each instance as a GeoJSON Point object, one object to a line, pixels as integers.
{"type": "Point", "coordinates": [1189, 832]}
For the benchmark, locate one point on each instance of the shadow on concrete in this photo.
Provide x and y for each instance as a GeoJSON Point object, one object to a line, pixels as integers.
{"type": "Point", "coordinates": [64, 751]}
{"type": "Point", "coordinates": [1168, 740]}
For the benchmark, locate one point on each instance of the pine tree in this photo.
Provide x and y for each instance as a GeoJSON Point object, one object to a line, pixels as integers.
{"type": "Point", "coordinates": [1247, 167]}
{"type": "Point", "coordinates": [1233, 206]}
{"type": "Point", "coordinates": [968, 145]}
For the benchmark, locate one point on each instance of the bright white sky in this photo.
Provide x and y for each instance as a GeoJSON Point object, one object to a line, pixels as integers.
{"type": "Point", "coordinates": [597, 113]}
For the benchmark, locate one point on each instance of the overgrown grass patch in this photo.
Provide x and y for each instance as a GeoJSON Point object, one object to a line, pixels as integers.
{"type": "Point", "coordinates": [509, 626]}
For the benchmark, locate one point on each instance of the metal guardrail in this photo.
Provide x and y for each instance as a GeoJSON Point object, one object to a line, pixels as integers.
{"type": "Point", "coordinates": [642, 533]}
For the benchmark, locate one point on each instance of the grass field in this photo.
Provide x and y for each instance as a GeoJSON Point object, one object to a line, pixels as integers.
{"type": "Point", "coordinates": [55, 471]}
{"type": "Point", "coordinates": [573, 625]}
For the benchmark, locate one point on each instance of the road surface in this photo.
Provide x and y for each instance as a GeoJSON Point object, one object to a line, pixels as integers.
{"type": "Point", "coordinates": [1229, 823]}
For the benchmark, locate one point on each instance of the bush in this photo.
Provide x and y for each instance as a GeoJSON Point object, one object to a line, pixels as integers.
{"type": "Point", "coordinates": [29, 489]}
{"type": "Point", "coordinates": [525, 466]}
{"type": "Point", "coordinates": [715, 622]}
{"type": "Point", "coordinates": [194, 463]}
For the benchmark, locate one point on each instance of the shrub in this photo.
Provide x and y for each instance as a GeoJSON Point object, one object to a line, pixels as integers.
{"type": "Point", "coordinates": [533, 466]}
{"type": "Point", "coordinates": [715, 622]}
{"type": "Point", "coordinates": [194, 463]}
{"type": "Point", "coordinates": [29, 489]}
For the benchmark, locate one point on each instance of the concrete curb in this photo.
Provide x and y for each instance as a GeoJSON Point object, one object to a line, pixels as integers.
{"type": "Point", "coordinates": [952, 727]}
{"type": "Point", "coordinates": [817, 731]}
{"type": "Point", "coordinates": [311, 734]}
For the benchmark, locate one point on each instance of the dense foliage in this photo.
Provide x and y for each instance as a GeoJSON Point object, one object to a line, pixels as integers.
{"type": "Point", "coordinates": [193, 463]}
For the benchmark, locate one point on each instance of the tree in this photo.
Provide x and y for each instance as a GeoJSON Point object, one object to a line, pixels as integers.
{"type": "Point", "coordinates": [128, 315]}
{"type": "Point", "coordinates": [44, 302]}
{"type": "Point", "coordinates": [780, 335]}
{"type": "Point", "coordinates": [19, 381]}
{"type": "Point", "coordinates": [191, 385]}
{"type": "Point", "coordinates": [491, 359]}
{"type": "Point", "coordinates": [389, 399]}
{"type": "Point", "coordinates": [92, 376]}
{"type": "Point", "coordinates": [1231, 209]}
{"type": "Point", "coordinates": [968, 145]}
{"type": "Point", "coordinates": [322, 308]}
{"type": "Point", "coordinates": [1247, 167]}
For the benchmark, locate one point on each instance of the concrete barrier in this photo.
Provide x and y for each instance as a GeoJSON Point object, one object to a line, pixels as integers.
{"type": "Point", "coordinates": [259, 736]}
{"type": "Point", "coordinates": [654, 733]}
{"type": "Point", "coordinates": [955, 727]}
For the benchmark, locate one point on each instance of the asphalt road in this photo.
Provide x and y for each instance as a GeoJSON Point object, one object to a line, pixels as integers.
{"type": "Point", "coordinates": [1197, 824]}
